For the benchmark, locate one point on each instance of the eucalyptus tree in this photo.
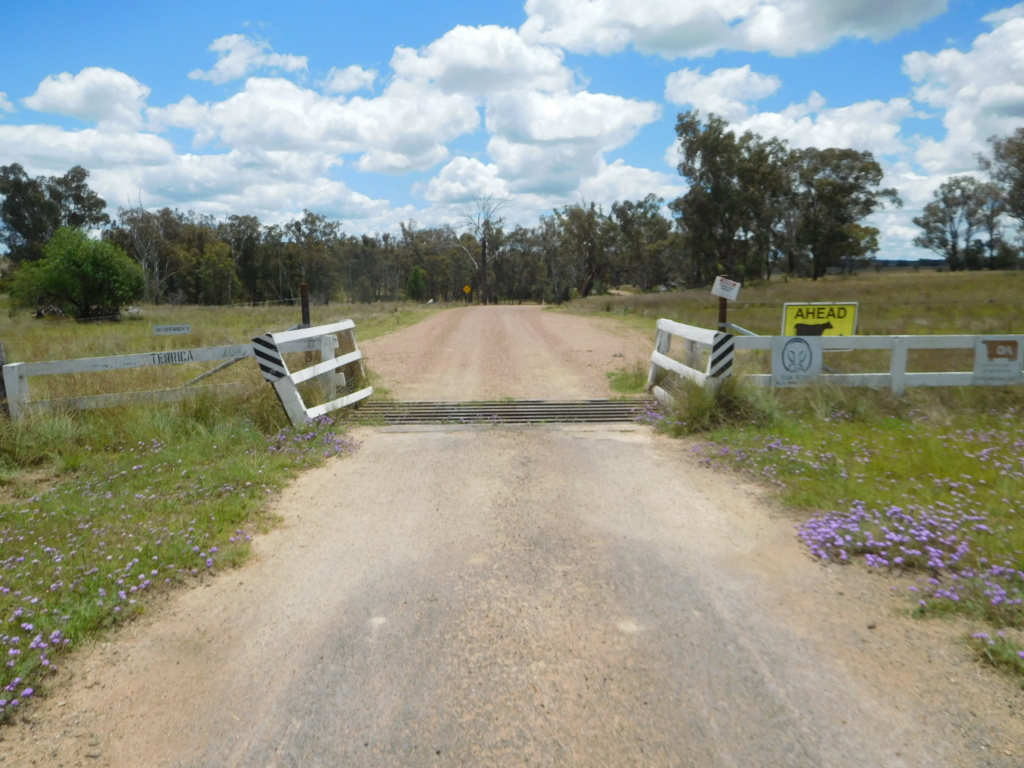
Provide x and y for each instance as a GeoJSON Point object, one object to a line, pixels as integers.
{"type": "Point", "coordinates": [950, 221]}
{"type": "Point", "coordinates": [835, 189]}
{"type": "Point", "coordinates": [243, 235]}
{"type": "Point", "coordinates": [1006, 168]}
{"type": "Point", "coordinates": [484, 223]}
{"type": "Point", "coordinates": [733, 217]}
{"type": "Point", "coordinates": [643, 236]}
{"type": "Point", "coordinates": [713, 214]}
{"type": "Point", "coordinates": [32, 209]}
{"type": "Point", "coordinates": [586, 236]}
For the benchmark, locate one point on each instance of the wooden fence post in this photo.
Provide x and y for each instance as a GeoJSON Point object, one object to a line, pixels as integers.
{"type": "Point", "coordinates": [16, 385]}
{"type": "Point", "coordinates": [898, 365]}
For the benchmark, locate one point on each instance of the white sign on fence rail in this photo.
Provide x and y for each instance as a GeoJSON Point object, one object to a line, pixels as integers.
{"type": "Point", "coordinates": [172, 330]}
{"type": "Point", "coordinates": [795, 360]}
{"type": "Point", "coordinates": [997, 360]}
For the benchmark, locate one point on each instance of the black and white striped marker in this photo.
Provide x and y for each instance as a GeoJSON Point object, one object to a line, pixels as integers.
{"type": "Point", "coordinates": [269, 358]}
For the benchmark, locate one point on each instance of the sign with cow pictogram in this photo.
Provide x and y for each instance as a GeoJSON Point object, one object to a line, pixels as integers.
{"type": "Point", "coordinates": [819, 319]}
{"type": "Point", "coordinates": [997, 361]}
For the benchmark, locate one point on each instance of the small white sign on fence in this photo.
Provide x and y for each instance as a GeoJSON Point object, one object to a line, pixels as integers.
{"type": "Point", "coordinates": [726, 289]}
{"type": "Point", "coordinates": [171, 330]}
{"type": "Point", "coordinates": [795, 360]}
{"type": "Point", "coordinates": [997, 361]}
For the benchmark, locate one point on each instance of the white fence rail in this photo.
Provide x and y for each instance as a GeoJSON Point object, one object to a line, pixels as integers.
{"type": "Point", "coordinates": [267, 349]}
{"type": "Point", "coordinates": [700, 344]}
{"type": "Point", "coordinates": [323, 339]}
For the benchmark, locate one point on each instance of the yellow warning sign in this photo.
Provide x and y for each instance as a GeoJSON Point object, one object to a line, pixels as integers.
{"type": "Point", "coordinates": [819, 319]}
{"type": "Point", "coordinates": [466, 289]}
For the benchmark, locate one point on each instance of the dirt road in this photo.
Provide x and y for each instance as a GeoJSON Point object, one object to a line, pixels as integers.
{"type": "Point", "coordinates": [549, 596]}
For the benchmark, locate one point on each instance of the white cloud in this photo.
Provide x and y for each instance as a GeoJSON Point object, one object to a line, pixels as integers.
{"type": "Point", "coordinates": [672, 28]}
{"type": "Point", "coordinates": [465, 179]}
{"type": "Point", "coordinates": [107, 96]}
{"type": "Point", "coordinates": [50, 150]}
{"type": "Point", "coordinates": [874, 126]}
{"type": "Point", "coordinates": [725, 92]}
{"type": "Point", "coordinates": [480, 60]}
{"type": "Point", "coordinates": [600, 119]}
{"type": "Point", "coordinates": [980, 91]}
{"type": "Point", "coordinates": [5, 105]}
{"type": "Point", "coordinates": [404, 128]}
{"type": "Point", "coordinates": [555, 169]}
{"type": "Point", "coordinates": [238, 55]}
{"type": "Point", "coordinates": [619, 181]}
{"type": "Point", "coordinates": [353, 78]}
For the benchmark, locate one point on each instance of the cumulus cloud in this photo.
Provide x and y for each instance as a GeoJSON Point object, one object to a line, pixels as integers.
{"type": "Point", "coordinates": [980, 91]}
{"type": "Point", "coordinates": [725, 92]}
{"type": "Point", "coordinates": [5, 105]}
{"type": "Point", "coordinates": [352, 78]}
{"type": "Point", "coordinates": [547, 143]}
{"type": "Point", "coordinates": [464, 180]}
{"type": "Point", "coordinates": [107, 96]}
{"type": "Point", "coordinates": [479, 60]}
{"type": "Point", "coordinates": [52, 150]}
{"type": "Point", "coordinates": [620, 181]}
{"type": "Point", "coordinates": [873, 125]}
{"type": "Point", "coordinates": [238, 55]}
{"type": "Point", "coordinates": [701, 27]}
{"type": "Point", "coordinates": [602, 119]}
{"type": "Point", "coordinates": [404, 128]}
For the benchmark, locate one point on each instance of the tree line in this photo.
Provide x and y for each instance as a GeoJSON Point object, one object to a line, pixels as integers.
{"type": "Point", "coordinates": [753, 207]}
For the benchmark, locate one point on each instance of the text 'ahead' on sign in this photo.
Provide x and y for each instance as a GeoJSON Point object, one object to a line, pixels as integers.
{"type": "Point", "coordinates": [819, 319]}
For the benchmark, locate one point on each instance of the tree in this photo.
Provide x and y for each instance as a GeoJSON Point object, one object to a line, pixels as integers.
{"type": "Point", "coordinates": [733, 217]}
{"type": "Point", "coordinates": [1006, 167]}
{"type": "Point", "coordinates": [484, 223]}
{"type": "Point", "coordinates": [33, 209]}
{"type": "Point", "coordinates": [416, 286]}
{"type": "Point", "coordinates": [243, 235]}
{"type": "Point", "coordinates": [85, 278]}
{"type": "Point", "coordinates": [950, 221]}
{"type": "Point", "coordinates": [643, 238]}
{"type": "Point", "coordinates": [586, 235]}
{"type": "Point", "coordinates": [835, 188]}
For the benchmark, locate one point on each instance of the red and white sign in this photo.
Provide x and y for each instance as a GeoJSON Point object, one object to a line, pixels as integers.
{"type": "Point", "coordinates": [726, 289]}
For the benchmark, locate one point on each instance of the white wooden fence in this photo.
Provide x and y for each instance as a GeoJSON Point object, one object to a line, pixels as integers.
{"type": "Point", "coordinates": [700, 345]}
{"type": "Point", "coordinates": [267, 350]}
{"type": "Point", "coordinates": [324, 339]}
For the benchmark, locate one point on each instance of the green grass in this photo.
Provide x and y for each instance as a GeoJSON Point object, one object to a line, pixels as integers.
{"type": "Point", "coordinates": [628, 380]}
{"type": "Point", "coordinates": [845, 461]}
{"type": "Point", "coordinates": [101, 511]}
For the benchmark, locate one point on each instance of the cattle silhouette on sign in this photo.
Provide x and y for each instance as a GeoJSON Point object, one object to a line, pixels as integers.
{"type": "Point", "coordinates": [812, 329]}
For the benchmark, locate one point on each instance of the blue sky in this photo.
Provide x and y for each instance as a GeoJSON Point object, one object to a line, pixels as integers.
{"type": "Point", "coordinates": [376, 113]}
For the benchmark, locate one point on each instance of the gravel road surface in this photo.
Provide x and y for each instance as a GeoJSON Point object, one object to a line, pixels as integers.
{"type": "Point", "coordinates": [550, 596]}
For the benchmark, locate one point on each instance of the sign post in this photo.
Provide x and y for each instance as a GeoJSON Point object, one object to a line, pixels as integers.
{"type": "Point", "coordinates": [726, 290]}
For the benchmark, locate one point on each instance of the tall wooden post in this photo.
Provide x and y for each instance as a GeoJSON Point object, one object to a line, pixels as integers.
{"type": "Point", "coordinates": [304, 296]}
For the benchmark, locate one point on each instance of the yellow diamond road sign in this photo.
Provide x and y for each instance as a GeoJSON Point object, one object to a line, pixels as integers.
{"type": "Point", "coordinates": [466, 289]}
{"type": "Point", "coordinates": [819, 319]}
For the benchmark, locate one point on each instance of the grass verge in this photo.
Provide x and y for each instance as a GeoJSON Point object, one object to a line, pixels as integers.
{"type": "Point", "coordinates": [927, 485]}
{"type": "Point", "coordinates": [102, 510]}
